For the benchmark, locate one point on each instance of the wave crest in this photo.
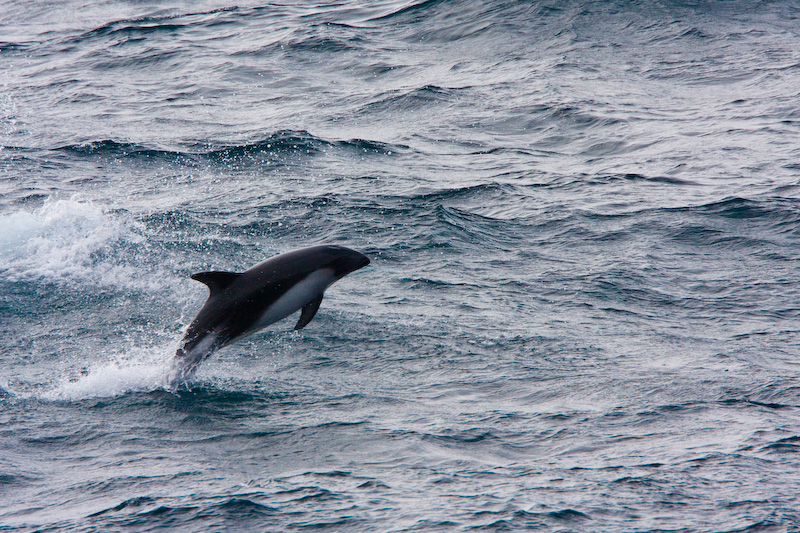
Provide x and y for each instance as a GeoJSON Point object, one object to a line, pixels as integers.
{"type": "Point", "coordinates": [68, 240]}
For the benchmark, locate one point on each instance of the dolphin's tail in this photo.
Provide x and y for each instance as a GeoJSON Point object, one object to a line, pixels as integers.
{"type": "Point", "coordinates": [188, 357]}
{"type": "Point", "coordinates": [180, 371]}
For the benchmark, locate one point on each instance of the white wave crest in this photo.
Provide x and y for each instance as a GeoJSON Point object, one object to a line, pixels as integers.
{"type": "Point", "coordinates": [67, 240]}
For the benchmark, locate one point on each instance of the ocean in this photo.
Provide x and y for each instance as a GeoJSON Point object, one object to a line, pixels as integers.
{"type": "Point", "coordinates": [582, 311]}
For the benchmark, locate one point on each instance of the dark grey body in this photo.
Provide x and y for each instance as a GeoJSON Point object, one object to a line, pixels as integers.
{"type": "Point", "coordinates": [243, 303]}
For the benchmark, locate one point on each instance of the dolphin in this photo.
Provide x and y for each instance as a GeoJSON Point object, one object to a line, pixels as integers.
{"type": "Point", "coordinates": [240, 304]}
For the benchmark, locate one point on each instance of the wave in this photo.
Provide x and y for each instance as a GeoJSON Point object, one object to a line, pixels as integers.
{"type": "Point", "coordinates": [475, 231]}
{"type": "Point", "coordinates": [439, 21]}
{"type": "Point", "coordinates": [472, 194]}
{"type": "Point", "coordinates": [406, 8]}
{"type": "Point", "coordinates": [139, 27]}
{"type": "Point", "coordinates": [74, 240]}
{"type": "Point", "coordinates": [778, 214]}
{"type": "Point", "coordinates": [59, 240]}
{"type": "Point", "coordinates": [776, 210]}
{"type": "Point", "coordinates": [313, 40]}
{"type": "Point", "coordinates": [402, 100]}
{"type": "Point", "coordinates": [302, 141]}
{"type": "Point", "coordinates": [279, 143]}
{"type": "Point", "coordinates": [754, 225]}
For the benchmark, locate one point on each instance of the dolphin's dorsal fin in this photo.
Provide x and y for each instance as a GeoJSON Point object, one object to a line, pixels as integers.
{"type": "Point", "coordinates": [216, 281]}
{"type": "Point", "coordinates": [308, 312]}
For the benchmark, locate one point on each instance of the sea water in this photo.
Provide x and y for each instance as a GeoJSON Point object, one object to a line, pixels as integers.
{"type": "Point", "coordinates": [582, 308]}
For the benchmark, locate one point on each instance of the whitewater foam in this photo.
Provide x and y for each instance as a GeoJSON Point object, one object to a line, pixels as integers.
{"type": "Point", "coordinates": [72, 240]}
{"type": "Point", "coordinates": [111, 379]}
{"type": "Point", "coordinates": [56, 240]}
{"type": "Point", "coordinates": [138, 370]}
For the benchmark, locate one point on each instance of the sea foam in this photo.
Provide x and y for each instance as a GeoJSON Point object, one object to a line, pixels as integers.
{"type": "Point", "coordinates": [132, 369]}
{"type": "Point", "coordinates": [71, 240]}
{"type": "Point", "coordinates": [110, 379]}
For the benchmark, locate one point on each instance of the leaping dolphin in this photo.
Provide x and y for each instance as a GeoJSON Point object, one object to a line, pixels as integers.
{"type": "Point", "coordinates": [242, 303]}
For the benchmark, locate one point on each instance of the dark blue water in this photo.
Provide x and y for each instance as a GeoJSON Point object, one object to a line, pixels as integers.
{"type": "Point", "coordinates": [582, 312]}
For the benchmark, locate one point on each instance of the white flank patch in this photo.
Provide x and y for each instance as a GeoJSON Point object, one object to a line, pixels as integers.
{"type": "Point", "coordinates": [295, 298]}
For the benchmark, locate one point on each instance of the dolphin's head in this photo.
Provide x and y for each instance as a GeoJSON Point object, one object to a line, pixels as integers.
{"type": "Point", "coordinates": [346, 260]}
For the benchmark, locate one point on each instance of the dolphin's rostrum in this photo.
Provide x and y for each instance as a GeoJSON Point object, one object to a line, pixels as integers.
{"type": "Point", "coordinates": [242, 303]}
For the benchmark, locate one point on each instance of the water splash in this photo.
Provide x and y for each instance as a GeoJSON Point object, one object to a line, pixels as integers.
{"type": "Point", "coordinates": [133, 369]}
{"type": "Point", "coordinates": [109, 379]}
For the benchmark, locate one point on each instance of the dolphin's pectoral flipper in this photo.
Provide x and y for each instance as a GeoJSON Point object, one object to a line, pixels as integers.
{"type": "Point", "coordinates": [308, 312]}
{"type": "Point", "coordinates": [216, 281]}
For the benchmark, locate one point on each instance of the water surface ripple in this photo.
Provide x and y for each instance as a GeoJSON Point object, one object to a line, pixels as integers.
{"type": "Point", "coordinates": [582, 308]}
